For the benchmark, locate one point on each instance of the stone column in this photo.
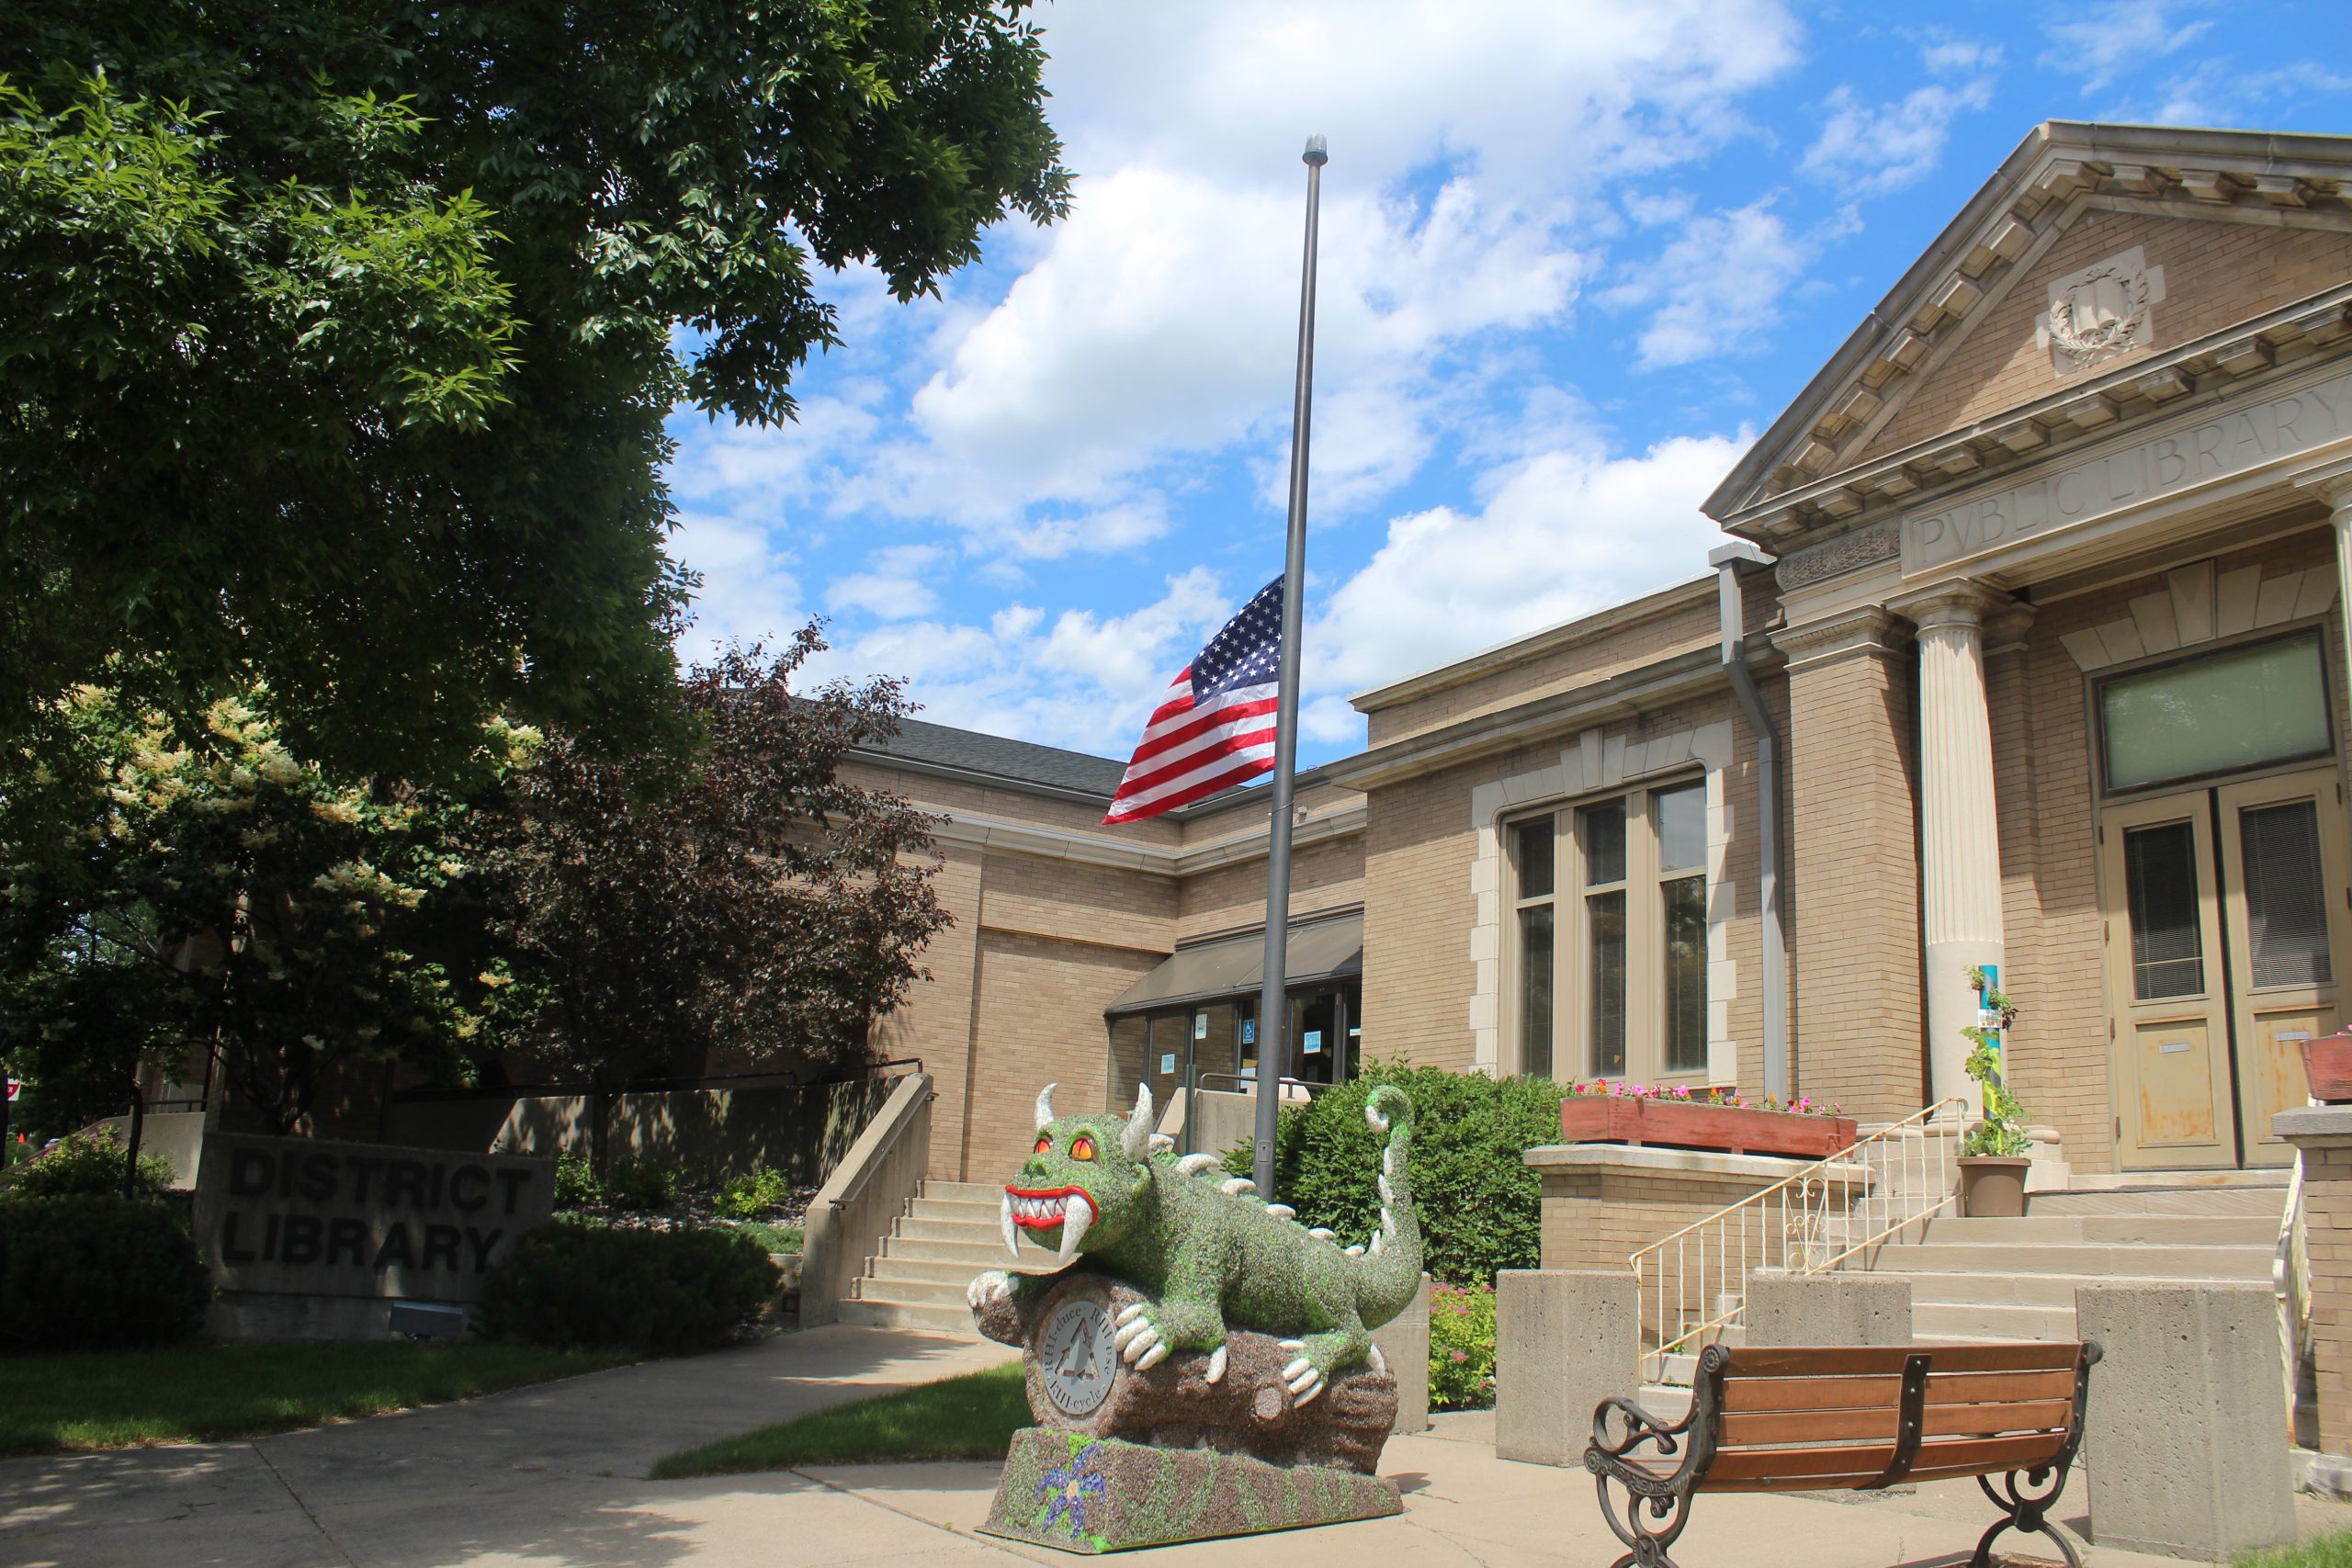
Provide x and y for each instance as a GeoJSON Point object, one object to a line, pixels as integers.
{"type": "Point", "coordinates": [1854, 865]}
{"type": "Point", "coordinates": [2323, 1138]}
{"type": "Point", "coordinates": [1959, 831]}
{"type": "Point", "coordinates": [2332, 484]}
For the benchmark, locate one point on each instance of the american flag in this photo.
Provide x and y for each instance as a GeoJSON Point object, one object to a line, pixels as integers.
{"type": "Point", "coordinates": [1216, 725]}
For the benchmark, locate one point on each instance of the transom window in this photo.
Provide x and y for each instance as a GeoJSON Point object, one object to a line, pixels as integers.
{"type": "Point", "coordinates": [2243, 708]}
{"type": "Point", "coordinates": [1610, 937]}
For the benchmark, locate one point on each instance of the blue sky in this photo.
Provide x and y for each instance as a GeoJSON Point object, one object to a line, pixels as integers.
{"type": "Point", "coordinates": [1575, 256]}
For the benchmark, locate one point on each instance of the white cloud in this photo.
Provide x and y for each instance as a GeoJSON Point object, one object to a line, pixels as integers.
{"type": "Point", "coordinates": [2118, 38]}
{"type": "Point", "coordinates": [1567, 534]}
{"type": "Point", "coordinates": [1882, 148]}
{"type": "Point", "coordinates": [885, 597]}
{"type": "Point", "coordinates": [1716, 288]}
{"type": "Point", "coordinates": [749, 591]}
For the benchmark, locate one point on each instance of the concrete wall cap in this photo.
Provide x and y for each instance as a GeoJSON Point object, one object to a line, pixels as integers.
{"type": "Point", "coordinates": [2315, 1124]}
{"type": "Point", "coordinates": [1570, 1158]}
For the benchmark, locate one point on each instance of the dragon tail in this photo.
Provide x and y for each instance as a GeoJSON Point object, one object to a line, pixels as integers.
{"type": "Point", "coordinates": [1392, 1267]}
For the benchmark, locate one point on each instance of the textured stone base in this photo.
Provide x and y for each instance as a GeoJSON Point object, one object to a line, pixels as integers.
{"type": "Point", "coordinates": [1089, 1494]}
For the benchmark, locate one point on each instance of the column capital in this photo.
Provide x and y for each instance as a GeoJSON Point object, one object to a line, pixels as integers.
{"type": "Point", "coordinates": [2331, 481]}
{"type": "Point", "coordinates": [1867, 630]}
{"type": "Point", "coordinates": [1965, 603]}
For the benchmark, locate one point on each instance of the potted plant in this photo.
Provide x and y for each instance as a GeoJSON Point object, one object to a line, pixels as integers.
{"type": "Point", "coordinates": [1995, 1153]}
{"type": "Point", "coordinates": [2328, 1066]}
{"type": "Point", "coordinates": [1613, 1112]}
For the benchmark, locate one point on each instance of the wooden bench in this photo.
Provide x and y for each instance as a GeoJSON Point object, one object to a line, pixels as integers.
{"type": "Point", "coordinates": [1849, 1418]}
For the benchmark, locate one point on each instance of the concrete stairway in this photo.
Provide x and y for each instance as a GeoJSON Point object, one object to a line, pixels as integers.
{"type": "Point", "coordinates": [948, 1233]}
{"type": "Point", "coordinates": [2016, 1279]}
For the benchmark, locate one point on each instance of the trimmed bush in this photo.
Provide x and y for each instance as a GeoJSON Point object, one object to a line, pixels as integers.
{"type": "Point", "coordinates": [641, 1182]}
{"type": "Point", "coordinates": [576, 1186]}
{"type": "Point", "coordinates": [748, 1197]}
{"type": "Point", "coordinates": [84, 1273]}
{"type": "Point", "coordinates": [89, 1164]}
{"type": "Point", "coordinates": [1462, 1347]}
{"type": "Point", "coordinates": [657, 1293]}
{"type": "Point", "coordinates": [1481, 1207]}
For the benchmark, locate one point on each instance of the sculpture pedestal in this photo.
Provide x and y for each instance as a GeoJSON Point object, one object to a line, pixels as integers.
{"type": "Point", "coordinates": [1123, 1458]}
{"type": "Point", "coordinates": [1086, 1495]}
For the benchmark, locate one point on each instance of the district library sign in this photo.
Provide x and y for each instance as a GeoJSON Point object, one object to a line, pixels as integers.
{"type": "Point", "coordinates": [293, 1226]}
{"type": "Point", "coordinates": [2230, 441]}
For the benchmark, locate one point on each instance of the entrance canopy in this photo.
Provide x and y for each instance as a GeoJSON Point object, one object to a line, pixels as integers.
{"type": "Point", "coordinates": [1319, 950]}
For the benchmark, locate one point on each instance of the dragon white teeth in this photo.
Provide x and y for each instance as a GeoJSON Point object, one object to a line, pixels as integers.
{"type": "Point", "coordinates": [1237, 1185]}
{"type": "Point", "coordinates": [1281, 1211]}
{"type": "Point", "coordinates": [1376, 1244]}
{"type": "Point", "coordinates": [1387, 1193]}
{"type": "Point", "coordinates": [1388, 1220]}
{"type": "Point", "coordinates": [1076, 1213]}
{"type": "Point", "coordinates": [1012, 1231]}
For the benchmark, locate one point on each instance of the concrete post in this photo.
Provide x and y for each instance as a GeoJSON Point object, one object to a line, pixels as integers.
{"type": "Point", "coordinates": [2183, 1451]}
{"type": "Point", "coordinates": [1826, 1309]}
{"type": "Point", "coordinates": [1960, 844]}
{"type": "Point", "coordinates": [1564, 1341]}
{"type": "Point", "coordinates": [1405, 1341]}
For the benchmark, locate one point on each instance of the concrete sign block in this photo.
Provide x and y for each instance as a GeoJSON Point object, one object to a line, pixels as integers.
{"type": "Point", "coordinates": [313, 1240]}
{"type": "Point", "coordinates": [1565, 1340]}
{"type": "Point", "coordinates": [1828, 1309]}
{"type": "Point", "coordinates": [2185, 1441]}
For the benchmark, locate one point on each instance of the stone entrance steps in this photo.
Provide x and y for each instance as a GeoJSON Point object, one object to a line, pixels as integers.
{"type": "Point", "coordinates": [947, 1234]}
{"type": "Point", "coordinates": [1973, 1279]}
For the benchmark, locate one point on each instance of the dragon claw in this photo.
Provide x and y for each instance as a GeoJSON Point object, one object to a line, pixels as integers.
{"type": "Point", "coordinates": [1141, 1346]}
{"type": "Point", "coordinates": [1290, 1345]}
{"type": "Point", "coordinates": [1129, 1314]}
{"type": "Point", "coordinates": [1216, 1372]}
{"type": "Point", "coordinates": [1153, 1356]}
{"type": "Point", "coordinates": [1379, 1361]}
{"type": "Point", "coordinates": [993, 1285]}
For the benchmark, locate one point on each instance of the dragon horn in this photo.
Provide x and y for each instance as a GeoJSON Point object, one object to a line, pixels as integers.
{"type": "Point", "coordinates": [1137, 1140]}
{"type": "Point", "coordinates": [1045, 1106]}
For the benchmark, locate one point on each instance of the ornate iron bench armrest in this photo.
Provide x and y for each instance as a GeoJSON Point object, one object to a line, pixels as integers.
{"type": "Point", "coordinates": [1642, 1428]}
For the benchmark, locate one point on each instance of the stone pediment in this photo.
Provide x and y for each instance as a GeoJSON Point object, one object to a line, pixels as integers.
{"type": "Point", "coordinates": [2067, 299]}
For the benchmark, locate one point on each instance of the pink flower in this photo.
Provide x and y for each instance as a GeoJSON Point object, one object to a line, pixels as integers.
{"type": "Point", "coordinates": [1459, 1355]}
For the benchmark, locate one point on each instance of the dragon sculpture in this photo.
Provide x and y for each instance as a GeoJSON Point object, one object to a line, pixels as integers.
{"type": "Point", "coordinates": [1204, 1253]}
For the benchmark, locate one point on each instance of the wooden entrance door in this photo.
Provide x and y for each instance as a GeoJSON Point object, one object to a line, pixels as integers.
{"type": "Point", "coordinates": [2167, 993]}
{"type": "Point", "coordinates": [2283, 912]}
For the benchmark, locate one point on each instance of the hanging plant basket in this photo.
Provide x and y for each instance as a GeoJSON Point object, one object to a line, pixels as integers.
{"type": "Point", "coordinates": [1677, 1125]}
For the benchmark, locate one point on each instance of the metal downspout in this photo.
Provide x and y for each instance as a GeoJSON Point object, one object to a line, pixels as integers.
{"type": "Point", "coordinates": [1727, 560]}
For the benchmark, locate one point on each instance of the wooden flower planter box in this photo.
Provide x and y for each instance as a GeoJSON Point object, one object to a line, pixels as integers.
{"type": "Point", "coordinates": [1607, 1118]}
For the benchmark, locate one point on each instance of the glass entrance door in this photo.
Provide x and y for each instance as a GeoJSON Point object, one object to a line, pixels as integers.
{"type": "Point", "coordinates": [2282, 840]}
{"type": "Point", "coordinates": [2168, 1011]}
{"type": "Point", "coordinates": [2224, 915]}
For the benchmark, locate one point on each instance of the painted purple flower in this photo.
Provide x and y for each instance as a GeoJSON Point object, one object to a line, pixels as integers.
{"type": "Point", "coordinates": [1064, 1491]}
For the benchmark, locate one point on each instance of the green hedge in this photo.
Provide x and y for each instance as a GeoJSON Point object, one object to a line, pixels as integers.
{"type": "Point", "coordinates": [84, 1272]}
{"type": "Point", "coordinates": [1480, 1205]}
{"type": "Point", "coordinates": [88, 1164]}
{"type": "Point", "coordinates": [576, 1286]}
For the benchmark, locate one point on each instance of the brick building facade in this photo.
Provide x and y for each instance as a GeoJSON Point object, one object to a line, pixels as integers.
{"type": "Point", "coordinates": [2043, 612]}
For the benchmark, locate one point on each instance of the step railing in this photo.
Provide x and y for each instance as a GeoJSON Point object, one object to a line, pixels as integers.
{"type": "Point", "coordinates": [1692, 1285]}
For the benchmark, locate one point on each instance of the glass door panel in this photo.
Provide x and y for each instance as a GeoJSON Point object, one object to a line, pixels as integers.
{"type": "Point", "coordinates": [2283, 868]}
{"type": "Point", "coordinates": [2170, 1055]}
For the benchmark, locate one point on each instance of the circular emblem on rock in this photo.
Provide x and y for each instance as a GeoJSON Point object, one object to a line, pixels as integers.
{"type": "Point", "coordinates": [1074, 1354]}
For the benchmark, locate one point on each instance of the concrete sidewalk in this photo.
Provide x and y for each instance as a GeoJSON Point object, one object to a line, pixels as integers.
{"type": "Point", "coordinates": [552, 1477]}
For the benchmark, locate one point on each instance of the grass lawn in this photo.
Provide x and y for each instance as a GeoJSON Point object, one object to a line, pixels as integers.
{"type": "Point", "coordinates": [2327, 1551]}
{"type": "Point", "coordinates": [117, 1399]}
{"type": "Point", "coordinates": [972, 1416]}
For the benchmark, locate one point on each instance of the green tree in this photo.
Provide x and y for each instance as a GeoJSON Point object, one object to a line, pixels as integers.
{"type": "Point", "coordinates": [219, 894]}
{"type": "Point", "coordinates": [764, 907]}
{"type": "Point", "coordinates": [338, 336]}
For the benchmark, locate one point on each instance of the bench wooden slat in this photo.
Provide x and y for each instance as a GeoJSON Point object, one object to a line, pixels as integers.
{"type": "Point", "coordinates": [1787, 1427]}
{"type": "Point", "coordinates": [1886, 1360]}
{"type": "Point", "coordinates": [1825, 1465]}
{"type": "Point", "coordinates": [1749, 1396]}
{"type": "Point", "coordinates": [1990, 1420]}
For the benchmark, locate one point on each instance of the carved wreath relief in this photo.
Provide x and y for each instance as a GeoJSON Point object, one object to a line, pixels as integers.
{"type": "Point", "coordinates": [2100, 311]}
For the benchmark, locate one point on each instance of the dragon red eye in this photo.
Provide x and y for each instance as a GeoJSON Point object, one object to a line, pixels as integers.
{"type": "Point", "coordinates": [1045, 1143]}
{"type": "Point", "coordinates": [1083, 1148]}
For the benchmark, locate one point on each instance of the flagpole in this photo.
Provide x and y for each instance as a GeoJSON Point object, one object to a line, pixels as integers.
{"type": "Point", "coordinates": [1273, 1010]}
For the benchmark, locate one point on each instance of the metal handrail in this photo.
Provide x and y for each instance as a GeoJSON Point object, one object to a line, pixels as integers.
{"type": "Point", "coordinates": [1789, 1225]}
